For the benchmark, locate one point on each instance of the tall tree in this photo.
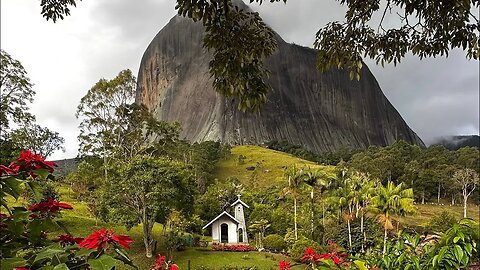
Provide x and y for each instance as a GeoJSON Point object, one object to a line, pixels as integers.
{"type": "Point", "coordinates": [315, 179]}
{"type": "Point", "coordinates": [467, 180]}
{"type": "Point", "coordinates": [345, 195]}
{"type": "Point", "coordinates": [102, 112]}
{"type": "Point", "coordinates": [146, 190]}
{"type": "Point", "coordinates": [295, 178]}
{"type": "Point", "coordinates": [39, 139]}
{"type": "Point", "coordinates": [391, 200]}
{"type": "Point", "coordinates": [18, 129]}
{"type": "Point", "coordinates": [15, 94]}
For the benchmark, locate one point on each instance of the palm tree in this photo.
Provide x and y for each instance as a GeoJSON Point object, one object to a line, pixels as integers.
{"type": "Point", "coordinates": [388, 201]}
{"type": "Point", "coordinates": [363, 189]}
{"type": "Point", "coordinates": [295, 179]}
{"type": "Point", "coordinates": [315, 179]}
{"type": "Point", "coordinates": [260, 227]}
{"type": "Point", "coordinates": [345, 197]}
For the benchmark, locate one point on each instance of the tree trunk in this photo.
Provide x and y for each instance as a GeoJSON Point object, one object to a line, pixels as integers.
{"type": "Point", "coordinates": [148, 239]}
{"type": "Point", "coordinates": [312, 213]}
{"type": "Point", "coordinates": [295, 217]}
{"type": "Point", "coordinates": [438, 194]}
{"type": "Point", "coordinates": [349, 234]}
{"type": "Point", "coordinates": [147, 226]}
{"type": "Point", "coordinates": [385, 243]}
{"type": "Point", "coordinates": [323, 222]}
{"type": "Point", "coordinates": [465, 198]}
{"type": "Point", "coordinates": [363, 233]}
{"type": "Point", "coordinates": [423, 197]}
{"type": "Point", "coordinates": [349, 228]}
{"type": "Point", "coordinates": [453, 199]}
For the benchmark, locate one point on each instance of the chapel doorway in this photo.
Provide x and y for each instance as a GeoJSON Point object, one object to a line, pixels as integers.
{"type": "Point", "coordinates": [224, 233]}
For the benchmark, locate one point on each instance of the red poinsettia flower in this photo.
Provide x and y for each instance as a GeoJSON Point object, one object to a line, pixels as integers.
{"type": "Point", "coordinates": [103, 238]}
{"type": "Point", "coordinates": [50, 206]}
{"type": "Point", "coordinates": [158, 263]}
{"type": "Point", "coordinates": [333, 256]}
{"type": "Point", "coordinates": [22, 268]}
{"type": "Point", "coordinates": [174, 267]}
{"type": "Point", "coordinates": [310, 256]}
{"type": "Point", "coordinates": [29, 162]}
{"type": "Point", "coordinates": [67, 239]}
{"type": "Point", "coordinates": [284, 265]}
{"type": "Point", "coordinates": [6, 170]}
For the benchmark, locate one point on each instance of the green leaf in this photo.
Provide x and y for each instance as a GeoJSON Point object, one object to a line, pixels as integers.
{"type": "Point", "coordinates": [36, 189]}
{"type": "Point", "coordinates": [360, 265]}
{"type": "Point", "coordinates": [10, 263]}
{"type": "Point", "coordinates": [11, 186]}
{"type": "Point", "coordinates": [84, 252]}
{"type": "Point", "coordinates": [42, 173]}
{"type": "Point", "coordinates": [458, 252]}
{"type": "Point", "coordinates": [105, 262]}
{"type": "Point", "coordinates": [46, 267]}
{"type": "Point", "coordinates": [47, 253]}
{"type": "Point", "coordinates": [123, 256]}
{"type": "Point", "coordinates": [61, 267]}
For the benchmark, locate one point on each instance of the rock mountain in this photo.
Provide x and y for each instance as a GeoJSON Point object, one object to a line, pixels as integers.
{"type": "Point", "coordinates": [320, 111]}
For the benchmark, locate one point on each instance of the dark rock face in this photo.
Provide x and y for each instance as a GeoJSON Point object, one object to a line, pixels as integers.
{"type": "Point", "coordinates": [320, 111]}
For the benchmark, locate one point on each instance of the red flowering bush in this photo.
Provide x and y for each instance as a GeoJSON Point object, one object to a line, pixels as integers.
{"type": "Point", "coordinates": [234, 248]}
{"type": "Point", "coordinates": [284, 265]}
{"type": "Point", "coordinates": [333, 259]}
{"type": "Point", "coordinates": [310, 256]}
{"type": "Point", "coordinates": [49, 206]}
{"type": "Point", "coordinates": [31, 164]}
{"type": "Point", "coordinates": [161, 264]}
{"type": "Point", "coordinates": [103, 239]}
{"type": "Point", "coordinates": [4, 170]}
{"type": "Point", "coordinates": [24, 238]}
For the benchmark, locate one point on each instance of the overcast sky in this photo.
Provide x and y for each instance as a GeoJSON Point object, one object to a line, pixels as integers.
{"type": "Point", "coordinates": [436, 97]}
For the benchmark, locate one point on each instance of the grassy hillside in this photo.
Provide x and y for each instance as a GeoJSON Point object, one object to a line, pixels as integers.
{"type": "Point", "coordinates": [259, 167]}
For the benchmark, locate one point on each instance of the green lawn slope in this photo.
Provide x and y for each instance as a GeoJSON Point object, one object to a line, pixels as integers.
{"type": "Point", "coordinates": [260, 167]}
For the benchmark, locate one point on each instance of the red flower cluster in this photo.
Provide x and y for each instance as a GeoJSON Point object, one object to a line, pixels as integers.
{"type": "Point", "coordinates": [310, 256]}
{"type": "Point", "coordinates": [49, 206]}
{"type": "Point", "coordinates": [67, 239]}
{"type": "Point", "coordinates": [27, 162]}
{"type": "Point", "coordinates": [339, 258]}
{"type": "Point", "coordinates": [22, 268]}
{"type": "Point", "coordinates": [103, 238]}
{"type": "Point", "coordinates": [160, 264]}
{"type": "Point", "coordinates": [235, 248]}
{"type": "Point", "coordinates": [6, 170]}
{"type": "Point", "coordinates": [284, 265]}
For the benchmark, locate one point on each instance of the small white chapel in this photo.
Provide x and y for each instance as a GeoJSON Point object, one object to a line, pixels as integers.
{"type": "Point", "coordinates": [230, 229]}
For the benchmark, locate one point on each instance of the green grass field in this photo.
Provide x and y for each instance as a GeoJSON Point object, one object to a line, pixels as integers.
{"type": "Point", "coordinates": [425, 212]}
{"type": "Point", "coordinates": [269, 163]}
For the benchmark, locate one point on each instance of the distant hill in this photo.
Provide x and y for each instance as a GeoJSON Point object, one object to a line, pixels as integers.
{"type": "Point", "coordinates": [258, 167]}
{"type": "Point", "coordinates": [456, 142]}
{"type": "Point", "coordinates": [66, 166]}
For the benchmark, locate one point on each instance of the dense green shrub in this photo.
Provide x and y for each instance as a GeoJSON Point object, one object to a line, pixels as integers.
{"type": "Point", "coordinates": [442, 221]}
{"type": "Point", "coordinates": [274, 243]}
{"type": "Point", "coordinates": [298, 249]}
{"type": "Point", "coordinates": [372, 230]}
{"type": "Point", "coordinates": [281, 220]}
